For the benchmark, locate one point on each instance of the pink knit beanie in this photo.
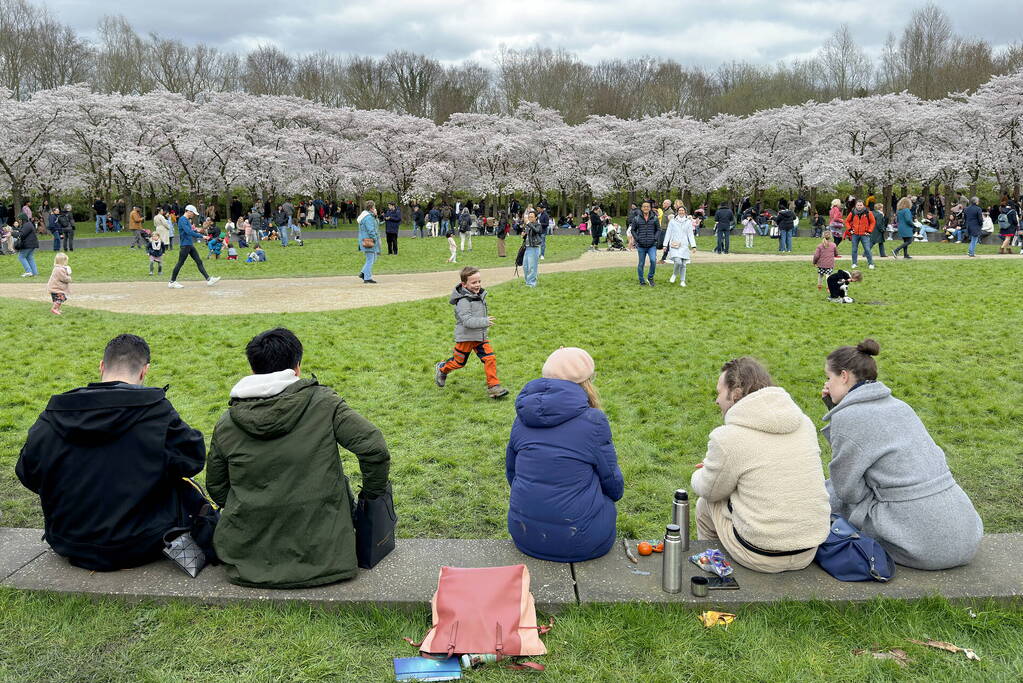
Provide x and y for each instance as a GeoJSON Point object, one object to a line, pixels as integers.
{"type": "Point", "coordinates": [569, 363]}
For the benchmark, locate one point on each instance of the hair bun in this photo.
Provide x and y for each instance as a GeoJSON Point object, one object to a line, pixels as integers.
{"type": "Point", "coordinates": [869, 347]}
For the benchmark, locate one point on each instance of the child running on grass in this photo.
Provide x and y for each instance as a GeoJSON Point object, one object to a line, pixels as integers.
{"type": "Point", "coordinates": [452, 245]}
{"type": "Point", "coordinates": [824, 257]}
{"type": "Point", "coordinates": [471, 325]}
{"type": "Point", "coordinates": [59, 285]}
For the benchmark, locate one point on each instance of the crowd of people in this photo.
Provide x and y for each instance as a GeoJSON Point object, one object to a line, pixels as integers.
{"type": "Point", "coordinates": [112, 463]}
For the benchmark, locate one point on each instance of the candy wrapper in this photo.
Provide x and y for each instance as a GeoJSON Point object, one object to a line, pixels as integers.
{"type": "Point", "coordinates": [713, 561]}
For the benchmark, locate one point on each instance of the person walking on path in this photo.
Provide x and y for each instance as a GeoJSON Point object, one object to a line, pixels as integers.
{"type": "Point", "coordinates": [877, 236]}
{"type": "Point", "coordinates": [66, 221]}
{"type": "Point", "coordinates": [187, 248]}
{"type": "Point", "coordinates": [392, 223]}
{"type": "Point", "coordinates": [861, 223]}
{"type": "Point", "coordinates": [465, 229]}
{"type": "Point", "coordinates": [135, 221]}
{"type": "Point", "coordinates": [418, 222]}
{"type": "Point", "coordinates": [472, 325]}
{"type": "Point", "coordinates": [680, 243]}
{"type": "Point", "coordinates": [28, 242]}
{"type": "Point", "coordinates": [162, 226]}
{"type": "Point", "coordinates": [786, 221]}
{"type": "Point", "coordinates": [369, 241]}
{"type": "Point", "coordinates": [644, 231]}
{"type": "Point", "coordinates": [974, 218]}
{"type": "Point", "coordinates": [904, 216]}
{"type": "Point", "coordinates": [723, 219]}
{"type": "Point", "coordinates": [1008, 224]}
{"type": "Point", "coordinates": [532, 238]}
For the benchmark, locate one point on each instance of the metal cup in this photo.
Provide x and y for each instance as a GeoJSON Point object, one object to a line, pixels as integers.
{"type": "Point", "coordinates": [698, 586]}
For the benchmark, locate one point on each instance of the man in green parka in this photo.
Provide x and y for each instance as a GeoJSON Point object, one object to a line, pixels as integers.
{"type": "Point", "coordinates": [273, 466]}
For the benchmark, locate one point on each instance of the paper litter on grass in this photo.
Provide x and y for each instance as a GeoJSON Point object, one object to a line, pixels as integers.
{"type": "Point", "coordinates": [942, 645]}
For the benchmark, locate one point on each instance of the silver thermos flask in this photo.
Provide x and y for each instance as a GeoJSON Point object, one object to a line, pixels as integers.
{"type": "Point", "coordinates": [671, 569]}
{"type": "Point", "coordinates": [680, 515]}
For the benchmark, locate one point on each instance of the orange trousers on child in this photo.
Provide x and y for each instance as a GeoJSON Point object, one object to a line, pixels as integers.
{"type": "Point", "coordinates": [461, 355]}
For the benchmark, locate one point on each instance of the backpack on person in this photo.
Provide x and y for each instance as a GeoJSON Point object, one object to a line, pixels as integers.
{"type": "Point", "coordinates": [484, 611]}
{"type": "Point", "coordinates": [849, 555]}
{"type": "Point", "coordinates": [1003, 221]}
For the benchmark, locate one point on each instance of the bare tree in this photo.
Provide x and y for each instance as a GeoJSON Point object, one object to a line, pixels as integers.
{"type": "Point", "coordinates": [554, 79]}
{"type": "Point", "coordinates": [366, 84]}
{"type": "Point", "coordinates": [924, 49]}
{"type": "Point", "coordinates": [65, 58]}
{"type": "Point", "coordinates": [19, 27]}
{"type": "Point", "coordinates": [121, 58]}
{"type": "Point", "coordinates": [414, 77]}
{"type": "Point", "coordinates": [846, 68]}
{"type": "Point", "coordinates": [464, 88]}
{"type": "Point", "coordinates": [268, 71]}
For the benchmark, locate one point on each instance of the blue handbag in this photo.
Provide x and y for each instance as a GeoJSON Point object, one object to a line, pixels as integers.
{"type": "Point", "coordinates": [848, 555]}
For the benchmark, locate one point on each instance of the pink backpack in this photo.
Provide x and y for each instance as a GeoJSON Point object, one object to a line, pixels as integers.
{"type": "Point", "coordinates": [484, 611]}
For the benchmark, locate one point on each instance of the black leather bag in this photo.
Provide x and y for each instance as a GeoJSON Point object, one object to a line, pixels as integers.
{"type": "Point", "coordinates": [375, 521]}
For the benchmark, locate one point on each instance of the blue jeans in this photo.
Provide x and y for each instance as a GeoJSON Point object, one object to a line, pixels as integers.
{"type": "Point", "coordinates": [28, 260]}
{"type": "Point", "coordinates": [784, 240]}
{"type": "Point", "coordinates": [926, 229]}
{"type": "Point", "coordinates": [531, 265]}
{"type": "Point", "coordinates": [973, 245]}
{"type": "Point", "coordinates": [645, 253]}
{"type": "Point", "coordinates": [762, 229]}
{"type": "Point", "coordinates": [56, 239]}
{"type": "Point", "coordinates": [367, 267]}
{"type": "Point", "coordinates": [282, 231]}
{"type": "Point", "coordinates": [101, 223]}
{"type": "Point", "coordinates": [543, 243]}
{"type": "Point", "coordinates": [417, 231]}
{"type": "Point", "coordinates": [857, 240]}
{"type": "Point", "coordinates": [724, 237]}
{"type": "Point", "coordinates": [444, 225]}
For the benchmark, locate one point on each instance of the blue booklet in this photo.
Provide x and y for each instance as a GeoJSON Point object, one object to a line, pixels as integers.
{"type": "Point", "coordinates": [423, 669]}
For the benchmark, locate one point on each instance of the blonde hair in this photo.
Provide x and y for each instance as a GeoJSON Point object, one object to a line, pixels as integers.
{"type": "Point", "coordinates": [836, 202]}
{"type": "Point", "coordinates": [828, 236]}
{"type": "Point", "coordinates": [60, 259]}
{"type": "Point", "coordinates": [591, 393]}
{"type": "Point", "coordinates": [904, 203]}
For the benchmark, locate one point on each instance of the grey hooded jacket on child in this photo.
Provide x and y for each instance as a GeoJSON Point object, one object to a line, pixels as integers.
{"type": "Point", "coordinates": [471, 319]}
{"type": "Point", "coordinates": [890, 480]}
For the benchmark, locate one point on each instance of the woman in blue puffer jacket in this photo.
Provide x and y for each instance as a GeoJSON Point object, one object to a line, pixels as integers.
{"type": "Point", "coordinates": [562, 466]}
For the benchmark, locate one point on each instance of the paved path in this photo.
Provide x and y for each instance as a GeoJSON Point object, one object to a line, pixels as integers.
{"type": "Point", "coordinates": [302, 294]}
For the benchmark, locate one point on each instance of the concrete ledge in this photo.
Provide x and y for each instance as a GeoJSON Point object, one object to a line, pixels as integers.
{"type": "Point", "coordinates": [18, 547]}
{"type": "Point", "coordinates": [406, 578]}
{"type": "Point", "coordinates": [996, 572]}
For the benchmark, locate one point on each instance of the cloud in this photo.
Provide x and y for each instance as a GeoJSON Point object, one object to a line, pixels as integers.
{"type": "Point", "coordinates": [692, 32]}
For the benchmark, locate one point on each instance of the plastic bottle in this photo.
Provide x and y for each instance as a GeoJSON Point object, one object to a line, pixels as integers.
{"type": "Point", "coordinates": [671, 566]}
{"type": "Point", "coordinates": [476, 661]}
{"type": "Point", "coordinates": [680, 515]}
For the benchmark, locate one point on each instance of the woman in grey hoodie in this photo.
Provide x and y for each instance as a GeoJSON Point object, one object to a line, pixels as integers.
{"type": "Point", "coordinates": [888, 477]}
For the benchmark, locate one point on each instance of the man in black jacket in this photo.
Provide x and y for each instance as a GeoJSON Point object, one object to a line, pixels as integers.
{"type": "Point", "coordinates": [108, 462]}
{"type": "Point", "coordinates": [236, 209]}
{"type": "Point", "coordinates": [723, 220]}
{"type": "Point", "coordinates": [100, 207]}
{"type": "Point", "coordinates": [644, 227]}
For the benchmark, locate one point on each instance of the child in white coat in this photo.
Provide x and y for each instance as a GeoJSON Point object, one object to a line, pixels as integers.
{"type": "Point", "coordinates": [681, 243]}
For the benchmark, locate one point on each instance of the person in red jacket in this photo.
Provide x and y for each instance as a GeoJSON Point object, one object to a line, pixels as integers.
{"type": "Point", "coordinates": [861, 223]}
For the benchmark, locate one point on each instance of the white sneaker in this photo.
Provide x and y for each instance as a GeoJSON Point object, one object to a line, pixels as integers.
{"type": "Point", "coordinates": [212, 281]}
{"type": "Point", "coordinates": [26, 275]}
{"type": "Point", "coordinates": [682, 284]}
{"type": "Point", "coordinates": [871, 266]}
{"type": "Point", "coordinates": [672, 278]}
{"type": "Point", "coordinates": [847, 300]}
{"type": "Point", "coordinates": [541, 258]}
{"type": "Point", "coordinates": [175, 285]}
{"type": "Point", "coordinates": [855, 266]}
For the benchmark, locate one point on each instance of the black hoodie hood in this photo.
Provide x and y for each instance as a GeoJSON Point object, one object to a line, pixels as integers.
{"type": "Point", "coordinates": [100, 412]}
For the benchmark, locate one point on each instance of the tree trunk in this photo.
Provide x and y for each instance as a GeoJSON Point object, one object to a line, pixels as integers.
{"type": "Point", "coordinates": [813, 198]}
{"type": "Point", "coordinates": [687, 199]}
{"type": "Point", "coordinates": [886, 193]}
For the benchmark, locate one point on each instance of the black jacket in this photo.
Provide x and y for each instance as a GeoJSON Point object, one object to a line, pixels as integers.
{"type": "Point", "coordinates": [786, 220]}
{"type": "Point", "coordinates": [644, 230]}
{"type": "Point", "coordinates": [29, 238]}
{"type": "Point", "coordinates": [100, 207]}
{"type": "Point", "coordinates": [106, 461]}
{"type": "Point", "coordinates": [724, 218]}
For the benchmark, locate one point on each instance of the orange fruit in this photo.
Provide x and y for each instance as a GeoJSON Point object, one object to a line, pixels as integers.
{"type": "Point", "coordinates": [645, 548]}
{"type": "Point", "coordinates": [659, 548]}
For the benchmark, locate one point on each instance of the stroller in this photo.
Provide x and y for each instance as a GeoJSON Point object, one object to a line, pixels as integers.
{"type": "Point", "coordinates": [614, 239]}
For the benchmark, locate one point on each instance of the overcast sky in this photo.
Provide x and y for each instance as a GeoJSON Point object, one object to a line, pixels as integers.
{"type": "Point", "coordinates": [692, 32]}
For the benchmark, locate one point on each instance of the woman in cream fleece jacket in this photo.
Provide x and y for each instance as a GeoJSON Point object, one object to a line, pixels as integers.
{"type": "Point", "coordinates": [761, 484]}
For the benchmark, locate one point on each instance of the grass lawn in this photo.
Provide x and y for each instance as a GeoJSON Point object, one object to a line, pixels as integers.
{"type": "Point", "coordinates": [947, 332]}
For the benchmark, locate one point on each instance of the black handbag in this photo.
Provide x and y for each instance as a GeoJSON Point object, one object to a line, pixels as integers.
{"type": "Point", "coordinates": [374, 521]}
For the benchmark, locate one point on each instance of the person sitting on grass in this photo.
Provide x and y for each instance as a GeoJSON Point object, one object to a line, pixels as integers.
{"type": "Point", "coordinates": [472, 324]}
{"type": "Point", "coordinates": [761, 483]}
{"type": "Point", "coordinates": [561, 465]}
{"type": "Point", "coordinates": [274, 469]}
{"type": "Point", "coordinates": [107, 461]}
{"type": "Point", "coordinates": [257, 255]}
{"type": "Point", "coordinates": [888, 477]}
{"type": "Point", "coordinates": [838, 285]}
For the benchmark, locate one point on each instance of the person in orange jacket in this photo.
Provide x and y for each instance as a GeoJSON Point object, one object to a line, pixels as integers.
{"type": "Point", "coordinates": [861, 223]}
